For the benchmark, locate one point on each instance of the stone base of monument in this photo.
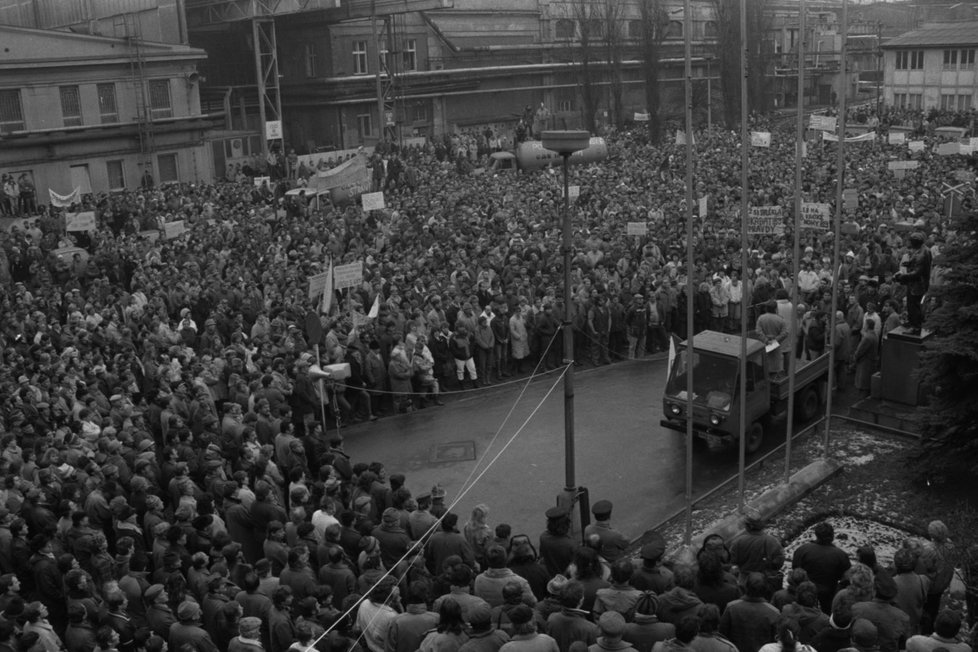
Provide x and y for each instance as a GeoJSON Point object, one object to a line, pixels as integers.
{"type": "Point", "coordinates": [899, 366]}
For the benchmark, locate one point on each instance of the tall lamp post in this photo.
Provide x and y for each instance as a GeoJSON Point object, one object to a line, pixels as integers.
{"type": "Point", "coordinates": [566, 143]}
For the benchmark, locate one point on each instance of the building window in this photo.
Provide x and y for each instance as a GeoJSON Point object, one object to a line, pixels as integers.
{"type": "Point", "coordinates": [11, 112]}
{"type": "Point", "coordinates": [167, 164]}
{"type": "Point", "coordinates": [160, 103]}
{"type": "Point", "coordinates": [594, 28]}
{"type": "Point", "coordinates": [915, 100]}
{"type": "Point", "coordinates": [899, 100]}
{"type": "Point", "coordinates": [364, 128]}
{"type": "Point", "coordinates": [950, 59]}
{"type": "Point", "coordinates": [116, 173]}
{"type": "Point", "coordinates": [359, 57]}
{"type": "Point", "coordinates": [309, 50]}
{"type": "Point", "coordinates": [710, 29]}
{"type": "Point", "coordinates": [948, 101]}
{"type": "Point", "coordinates": [564, 28]}
{"type": "Point", "coordinates": [410, 58]}
{"type": "Point", "coordinates": [71, 106]}
{"type": "Point", "coordinates": [902, 56]}
{"type": "Point", "coordinates": [565, 106]}
{"type": "Point", "coordinates": [419, 112]}
{"type": "Point", "coordinates": [967, 59]}
{"type": "Point", "coordinates": [675, 29]}
{"type": "Point", "coordinates": [916, 59]}
{"type": "Point", "coordinates": [912, 59]}
{"type": "Point", "coordinates": [635, 29]}
{"type": "Point", "coordinates": [107, 108]}
{"type": "Point", "coordinates": [964, 102]}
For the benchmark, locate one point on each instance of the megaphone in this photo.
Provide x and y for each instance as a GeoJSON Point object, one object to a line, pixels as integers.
{"type": "Point", "coordinates": [339, 371]}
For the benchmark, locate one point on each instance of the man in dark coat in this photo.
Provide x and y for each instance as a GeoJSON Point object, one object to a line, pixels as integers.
{"type": "Point", "coordinates": [241, 526]}
{"type": "Point", "coordinates": [187, 630]}
{"type": "Point", "coordinates": [557, 546]}
{"type": "Point", "coordinates": [750, 622]}
{"type": "Point", "coordinates": [48, 580]}
{"type": "Point", "coordinates": [824, 562]}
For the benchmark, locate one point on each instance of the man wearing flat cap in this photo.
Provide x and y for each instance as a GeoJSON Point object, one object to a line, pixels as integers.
{"type": "Point", "coordinates": [249, 636]}
{"type": "Point", "coordinates": [611, 542]}
{"type": "Point", "coordinates": [557, 546]}
{"type": "Point", "coordinates": [187, 630]}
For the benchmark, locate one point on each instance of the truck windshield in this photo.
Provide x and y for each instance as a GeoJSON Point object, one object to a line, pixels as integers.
{"type": "Point", "coordinates": [714, 379]}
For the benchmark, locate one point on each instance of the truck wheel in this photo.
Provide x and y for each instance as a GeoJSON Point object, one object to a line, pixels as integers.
{"type": "Point", "coordinates": [807, 404]}
{"type": "Point", "coordinates": [755, 437]}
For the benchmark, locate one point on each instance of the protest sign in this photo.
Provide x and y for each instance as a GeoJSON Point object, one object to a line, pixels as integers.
{"type": "Point", "coordinates": [896, 138]}
{"type": "Point", "coordinates": [760, 138]}
{"type": "Point", "coordinates": [704, 205]}
{"type": "Point", "coordinates": [637, 228]}
{"type": "Point", "coordinates": [372, 201]}
{"type": "Point", "coordinates": [948, 149]}
{"type": "Point", "coordinates": [174, 229]}
{"type": "Point", "coordinates": [815, 215]}
{"type": "Point", "coordinates": [317, 283]}
{"type": "Point", "coordinates": [765, 220]}
{"type": "Point", "coordinates": [348, 276]}
{"type": "Point", "coordinates": [916, 145]}
{"type": "Point", "coordinates": [84, 221]}
{"type": "Point", "coordinates": [903, 165]}
{"type": "Point", "coordinates": [821, 123]}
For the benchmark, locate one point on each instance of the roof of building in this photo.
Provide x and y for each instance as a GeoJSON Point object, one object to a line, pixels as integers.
{"type": "Point", "coordinates": [48, 47]}
{"type": "Point", "coordinates": [937, 35]}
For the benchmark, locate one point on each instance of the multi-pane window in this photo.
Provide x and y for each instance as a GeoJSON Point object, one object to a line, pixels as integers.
{"type": "Point", "coordinates": [564, 28]}
{"type": "Point", "coordinates": [674, 29]}
{"type": "Point", "coordinates": [910, 59]}
{"type": "Point", "coordinates": [71, 106]}
{"type": "Point", "coordinates": [950, 59]}
{"type": "Point", "coordinates": [410, 58]}
{"type": "Point", "coordinates": [360, 57]}
{"type": "Point", "coordinates": [948, 101]}
{"type": "Point", "coordinates": [967, 59]}
{"type": "Point", "coordinates": [11, 111]}
{"type": "Point", "coordinates": [160, 102]}
{"type": "Point", "coordinates": [168, 168]}
{"type": "Point", "coordinates": [364, 128]}
{"type": "Point", "coordinates": [310, 59]}
{"type": "Point", "coordinates": [116, 173]}
{"type": "Point", "coordinates": [565, 106]}
{"type": "Point", "coordinates": [964, 102]}
{"type": "Point", "coordinates": [107, 108]}
{"type": "Point", "coordinates": [419, 112]}
{"type": "Point", "coordinates": [915, 100]}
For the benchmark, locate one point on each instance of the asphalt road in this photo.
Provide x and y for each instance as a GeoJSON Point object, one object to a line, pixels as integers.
{"type": "Point", "coordinates": [509, 441]}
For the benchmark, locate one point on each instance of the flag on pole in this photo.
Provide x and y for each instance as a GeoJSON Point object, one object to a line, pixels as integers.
{"type": "Point", "coordinates": [374, 309]}
{"type": "Point", "coordinates": [326, 303]}
{"type": "Point", "coordinates": [672, 355]}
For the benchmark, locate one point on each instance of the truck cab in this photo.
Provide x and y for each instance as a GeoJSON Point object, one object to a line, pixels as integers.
{"type": "Point", "coordinates": [716, 390]}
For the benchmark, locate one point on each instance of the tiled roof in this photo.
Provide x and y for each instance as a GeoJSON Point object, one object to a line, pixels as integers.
{"type": "Point", "coordinates": [937, 35]}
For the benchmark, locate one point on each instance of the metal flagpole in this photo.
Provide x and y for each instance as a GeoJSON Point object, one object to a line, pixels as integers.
{"type": "Point", "coordinates": [744, 207]}
{"type": "Point", "coordinates": [687, 39]}
{"type": "Point", "coordinates": [796, 238]}
{"type": "Point", "coordinates": [840, 166]}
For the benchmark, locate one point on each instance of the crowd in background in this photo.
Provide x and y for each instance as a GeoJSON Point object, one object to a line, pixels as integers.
{"type": "Point", "coordinates": [166, 478]}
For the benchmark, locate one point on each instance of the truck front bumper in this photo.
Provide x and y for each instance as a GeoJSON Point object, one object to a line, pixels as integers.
{"type": "Point", "coordinates": [712, 436]}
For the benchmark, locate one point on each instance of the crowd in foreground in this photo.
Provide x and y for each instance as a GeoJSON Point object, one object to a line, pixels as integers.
{"type": "Point", "coordinates": [168, 482]}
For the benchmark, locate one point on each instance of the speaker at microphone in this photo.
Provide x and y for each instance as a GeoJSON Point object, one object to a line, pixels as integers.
{"type": "Point", "coordinates": [336, 372]}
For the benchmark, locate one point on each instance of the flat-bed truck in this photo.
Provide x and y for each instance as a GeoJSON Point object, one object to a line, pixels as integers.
{"type": "Point", "coordinates": [716, 390]}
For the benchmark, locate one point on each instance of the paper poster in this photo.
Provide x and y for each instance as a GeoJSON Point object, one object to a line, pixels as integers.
{"type": "Point", "coordinates": [174, 229]}
{"type": "Point", "coordinates": [372, 201]}
{"type": "Point", "coordinates": [348, 276]}
{"type": "Point", "coordinates": [84, 221]}
{"type": "Point", "coordinates": [637, 228]}
{"type": "Point", "coordinates": [765, 220]}
{"type": "Point", "coordinates": [760, 138]}
{"type": "Point", "coordinates": [815, 215]}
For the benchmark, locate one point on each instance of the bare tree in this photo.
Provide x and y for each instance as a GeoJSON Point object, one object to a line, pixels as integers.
{"type": "Point", "coordinates": [590, 28]}
{"type": "Point", "coordinates": [614, 27]}
{"type": "Point", "coordinates": [759, 57]}
{"type": "Point", "coordinates": [654, 23]}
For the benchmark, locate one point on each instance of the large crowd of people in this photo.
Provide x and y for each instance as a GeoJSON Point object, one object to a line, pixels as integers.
{"type": "Point", "coordinates": [168, 481]}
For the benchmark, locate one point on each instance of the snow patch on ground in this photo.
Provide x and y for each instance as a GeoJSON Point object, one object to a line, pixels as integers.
{"type": "Point", "coordinates": [860, 460]}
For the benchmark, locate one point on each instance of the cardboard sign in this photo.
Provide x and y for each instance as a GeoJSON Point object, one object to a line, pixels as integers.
{"type": "Point", "coordinates": [637, 228]}
{"type": "Point", "coordinates": [815, 215]}
{"type": "Point", "coordinates": [573, 192]}
{"type": "Point", "coordinates": [704, 205]}
{"type": "Point", "coordinates": [260, 181]}
{"type": "Point", "coordinates": [903, 165]}
{"type": "Point", "coordinates": [822, 123]}
{"type": "Point", "coordinates": [760, 138]}
{"type": "Point", "coordinates": [372, 201]}
{"type": "Point", "coordinates": [348, 276]}
{"type": "Point", "coordinates": [850, 199]}
{"type": "Point", "coordinates": [641, 117]}
{"type": "Point", "coordinates": [174, 229]}
{"type": "Point", "coordinates": [84, 221]}
{"type": "Point", "coordinates": [317, 283]}
{"type": "Point", "coordinates": [948, 149]}
{"type": "Point", "coordinates": [273, 130]}
{"type": "Point", "coordinates": [765, 220]}
{"type": "Point", "coordinates": [896, 138]}
{"type": "Point", "coordinates": [917, 145]}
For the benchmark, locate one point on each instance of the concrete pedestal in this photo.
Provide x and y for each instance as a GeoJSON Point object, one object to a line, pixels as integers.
{"type": "Point", "coordinates": [900, 361]}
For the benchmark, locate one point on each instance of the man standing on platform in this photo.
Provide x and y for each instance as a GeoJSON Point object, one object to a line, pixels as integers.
{"type": "Point", "coordinates": [915, 274]}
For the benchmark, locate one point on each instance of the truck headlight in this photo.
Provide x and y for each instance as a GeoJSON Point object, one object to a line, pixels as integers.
{"type": "Point", "coordinates": [715, 419]}
{"type": "Point", "coordinates": [675, 409]}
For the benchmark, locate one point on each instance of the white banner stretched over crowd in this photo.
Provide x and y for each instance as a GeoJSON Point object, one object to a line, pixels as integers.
{"type": "Point", "coordinates": [84, 221]}
{"type": "Point", "coordinates": [815, 215]}
{"type": "Point", "coordinates": [765, 220]}
{"type": "Point", "coordinates": [64, 201]}
{"type": "Point", "coordinates": [867, 137]}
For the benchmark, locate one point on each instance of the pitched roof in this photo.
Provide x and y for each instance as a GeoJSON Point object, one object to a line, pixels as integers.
{"type": "Point", "coordinates": [937, 35]}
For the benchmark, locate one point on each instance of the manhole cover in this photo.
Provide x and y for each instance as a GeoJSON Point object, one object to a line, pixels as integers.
{"type": "Point", "coordinates": [453, 451]}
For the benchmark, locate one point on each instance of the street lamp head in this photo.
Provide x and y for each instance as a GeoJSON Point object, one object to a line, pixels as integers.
{"type": "Point", "coordinates": [565, 143]}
